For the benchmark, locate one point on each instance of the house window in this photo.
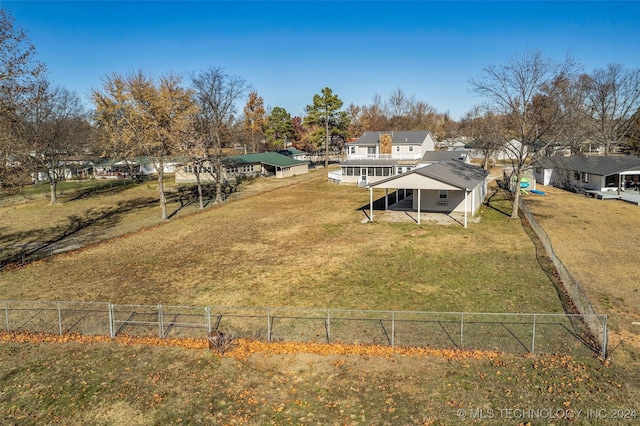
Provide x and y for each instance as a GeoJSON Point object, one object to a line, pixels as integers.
{"type": "Point", "coordinates": [371, 171]}
{"type": "Point", "coordinates": [352, 150]}
{"type": "Point", "coordinates": [371, 150]}
{"type": "Point", "coordinates": [444, 194]}
{"type": "Point", "coordinates": [397, 149]}
{"type": "Point", "coordinates": [538, 170]}
{"type": "Point", "coordinates": [410, 148]}
{"type": "Point", "coordinates": [386, 171]}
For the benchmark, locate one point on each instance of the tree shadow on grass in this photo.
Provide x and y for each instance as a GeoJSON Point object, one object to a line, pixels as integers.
{"type": "Point", "coordinates": [103, 188]}
{"type": "Point", "coordinates": [77, 232]}
{"type": "Point", "coordinates": [497, 198]}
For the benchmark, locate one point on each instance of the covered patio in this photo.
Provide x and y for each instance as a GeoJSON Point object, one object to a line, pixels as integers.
{"type": "Point", "coordinates": [445, 188]}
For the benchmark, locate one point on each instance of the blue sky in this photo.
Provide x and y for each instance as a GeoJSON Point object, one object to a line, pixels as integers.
{"type": "Point", "coordinates": [288, 51]}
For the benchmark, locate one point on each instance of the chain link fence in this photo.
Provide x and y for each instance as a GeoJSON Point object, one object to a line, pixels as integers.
{"type": "Point", "coordinates": [506, 332]}
{"type": "Point", "coordinates": [594, 324]}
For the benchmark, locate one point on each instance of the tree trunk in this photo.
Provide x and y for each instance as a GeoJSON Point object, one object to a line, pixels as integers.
{"type": "Point", "coordinates": [219, 198]}
{"type": "Point", "coordinates": [326, 147]}
{"type": "Point", "coordinates": [199, 184]}
{"type": "Point", "coordinates": [516, 195]}
{"type": "Point", "coordinates": [163, 199]}
{"type": "Point", "coordinates": [52, 187]}
{"type": "Point", "coordinates": [487, 154]}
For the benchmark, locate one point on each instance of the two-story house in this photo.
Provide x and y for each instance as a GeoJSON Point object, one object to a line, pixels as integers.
{"type": "Point", "coordinates": [378, 155]}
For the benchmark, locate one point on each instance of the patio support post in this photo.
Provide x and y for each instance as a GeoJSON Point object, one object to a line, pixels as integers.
{"type": "Point", "coordinates": [371, 204]}
{"type": "Point", "coordinates": [465, 208]}
{"type": "Point", "coordinates": [619, 183]}
{"type": "Point", "coordinates": [396, 196]}
{"type": "Point", "coordinates": [418, 206]}
{"type": "Point", "coordinates": [386, 198]}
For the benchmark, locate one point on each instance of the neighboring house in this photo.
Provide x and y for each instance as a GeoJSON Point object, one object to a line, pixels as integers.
{"type": "Point", "coordinates": [295, 153]}
{"type": "Point", "coordinates": [67, 170]}
{"type": "Point", "coordinates": [590, 173]}
{"type": "Point", "coordinates": [121, 169]}
{"type": "Point", "coordinates": [455, 144]}
{"type": "Point", "coordinates": [446, 187]}
{"type": "Point", "coordinates": [509, 152]}
{"type": "Point", "coordinates": [377, 155]}
{"type": "Point", "coordinates": [265, 164]}
{"type": "Point", "coordinates": [431, 157]}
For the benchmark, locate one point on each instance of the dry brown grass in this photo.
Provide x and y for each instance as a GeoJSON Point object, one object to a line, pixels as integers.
{"type": "Point", "coordinates": [598, 241]}
{"type": "Point", "coordinates": [301, 245]}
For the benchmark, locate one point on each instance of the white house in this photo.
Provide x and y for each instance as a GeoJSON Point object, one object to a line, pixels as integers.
{"type": "Point", "coordinates": [447, 186]}
{"type": "Point", "coordinates": [295, 153]}
{"type": "Point", "coordinates": [377, 155]}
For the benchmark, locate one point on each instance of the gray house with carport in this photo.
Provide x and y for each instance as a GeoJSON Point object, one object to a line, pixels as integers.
{"type": "Point", "coordinates": [445, 187]}
{"type": "Point", "coordinates": [589, 173]}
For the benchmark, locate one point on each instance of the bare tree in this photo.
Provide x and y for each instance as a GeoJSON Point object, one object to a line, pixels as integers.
{"type": "Point", "coordinates": [488, 132]}
{"type": "Point", "coordinates": [524, 90]}
{"type": "Point", "coordinates": [19, 75]}
{"type": "Point", "coordinates": [613, 96]}
{"type": "Point", "coordinates": [54, 125]}
{"type": "Point", "coordinates": [574, 129]}
{"type": "Point", "coordinates": [397, 108]}
{"type": "Point", "coordinates": [216, 94]}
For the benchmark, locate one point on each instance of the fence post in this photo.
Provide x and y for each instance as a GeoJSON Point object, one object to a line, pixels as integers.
{"type": "Point", "coordinates": [112, 330]}
{"type": "Point", "coordinates": [328, 326]}
{"type": "Point", "coordinates": [533, 336]}
{"type": "Point", "coordinates": [207, 311]}
{"type": "Point", "coordinates": [160, 322]}
{"type": "Point", "coordinates": [393, 328]}
{"type": "Point", "coordinates": [268, 326]}
{"type": "Point", "coordinates": [605, 339]}
{"type": "Point", "coordinates": [461, 330]}
{"type": "Point", "coordinates": [6, 313]}
{"type": "Point", "coordinates": [59, 319]}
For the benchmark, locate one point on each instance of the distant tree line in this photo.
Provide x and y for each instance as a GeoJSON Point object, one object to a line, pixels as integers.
{"type": "Point", "coordinates": [199, 117]}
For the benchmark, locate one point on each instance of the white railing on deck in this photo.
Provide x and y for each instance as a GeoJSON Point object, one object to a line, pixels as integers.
{"type": "Point", "coordinates": [384, 156]}
{"type": "Point", "coordinates": [336, 176]}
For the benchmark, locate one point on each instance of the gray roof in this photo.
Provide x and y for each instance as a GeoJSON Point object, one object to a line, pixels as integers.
{"type": "Point", "coordinates": [291, 151]}
{"type": "Point", "coordinates": [595, 165]}
{"type": "Point", "coordinates": [397, 138]}
{"type": "Point", "coordinates": [452, 172]}
{"type": "Point", "coordinates": [270, 158]}
{"type": "Point", "coordinates": [437, 156]}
